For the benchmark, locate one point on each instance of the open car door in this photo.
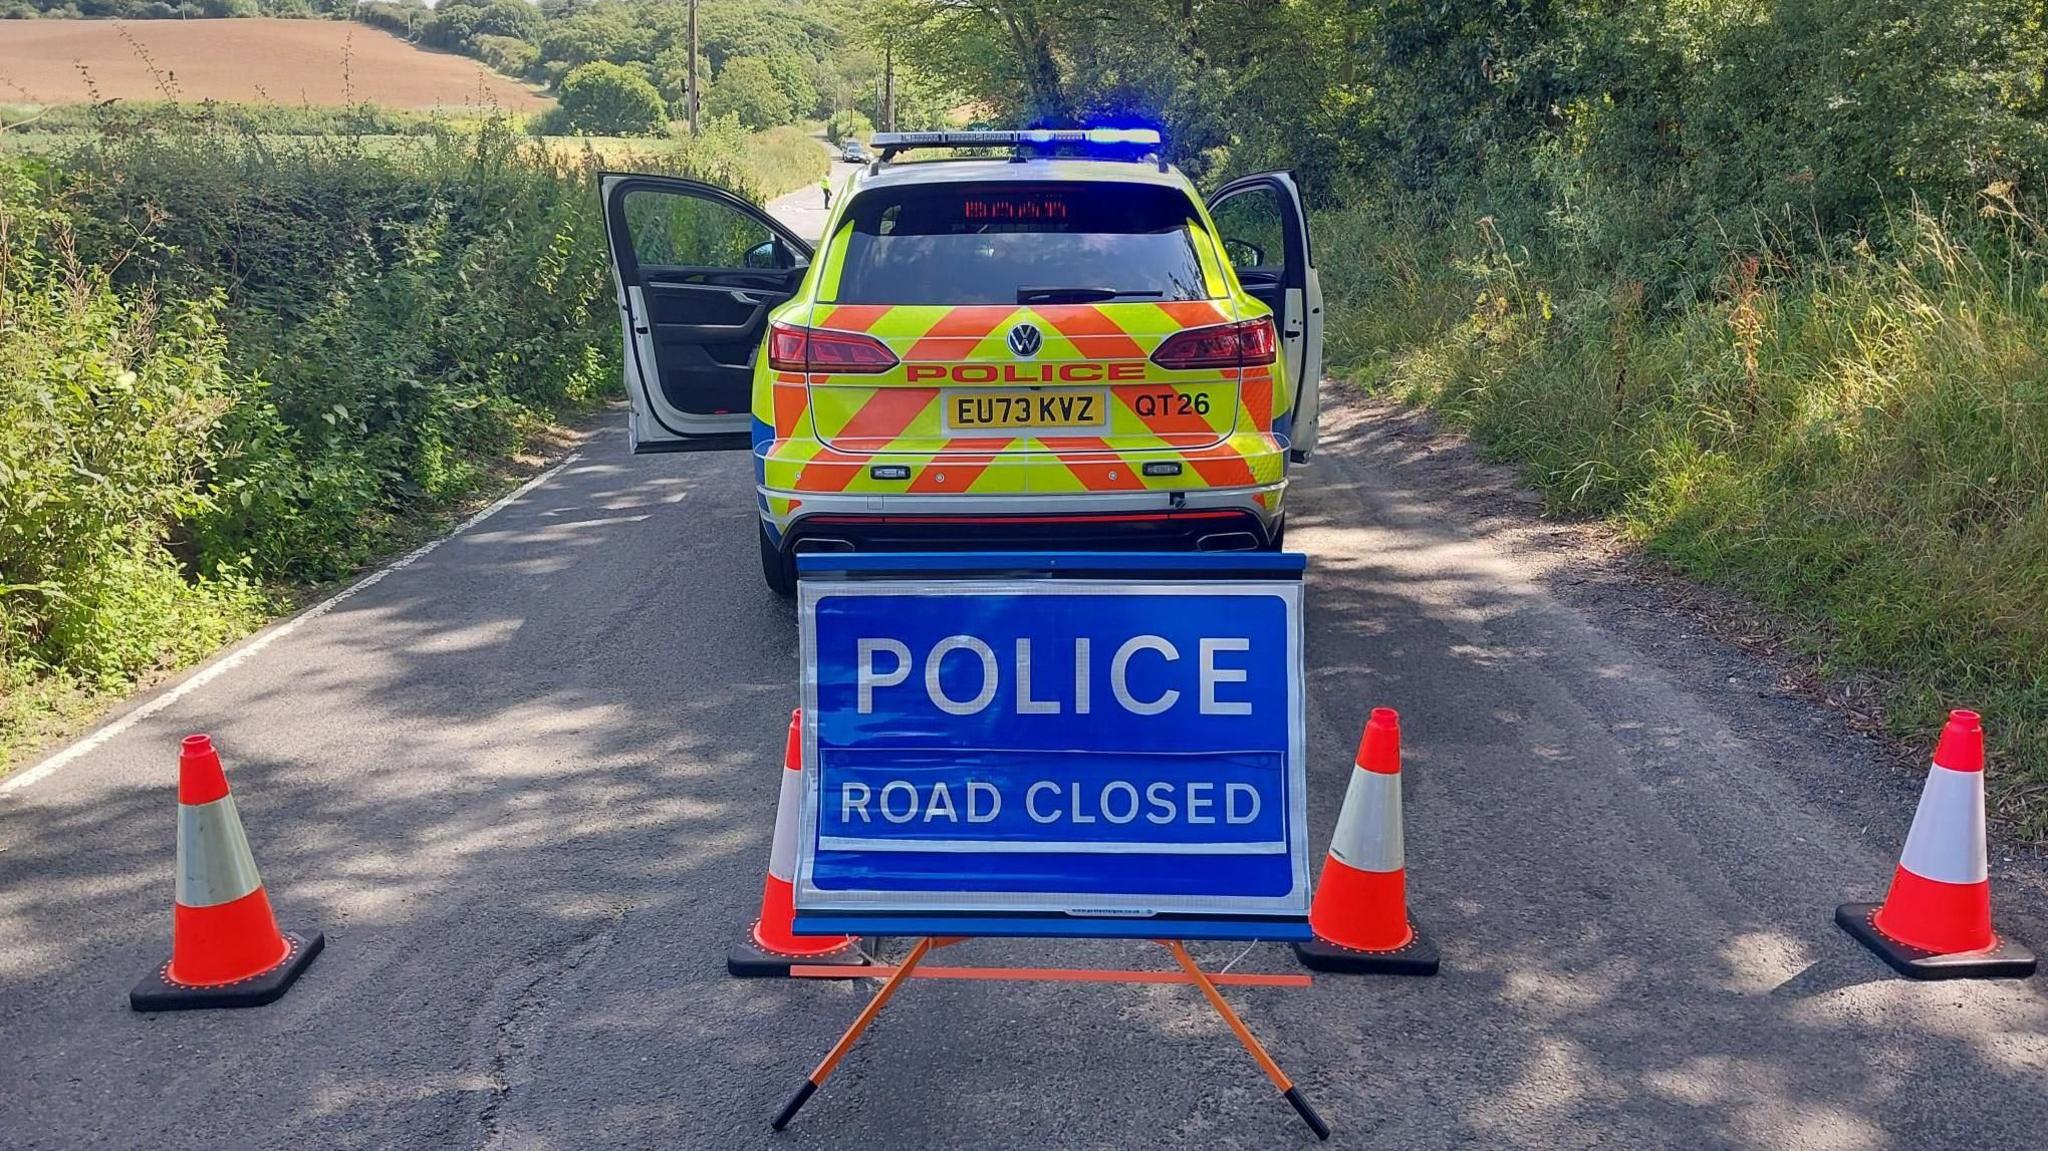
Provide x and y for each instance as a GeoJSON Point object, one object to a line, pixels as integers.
{"type": "Point", "coordinates": [1264, 229]}
{"type": "Point", "coordinates": [697, 269]}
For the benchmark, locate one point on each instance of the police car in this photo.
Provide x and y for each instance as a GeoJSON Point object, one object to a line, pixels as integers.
{"type": "Point", "coordinates": [1033, 350]}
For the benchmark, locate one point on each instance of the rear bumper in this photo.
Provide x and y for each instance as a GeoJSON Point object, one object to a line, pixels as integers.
{"type": "Point", "coordinates": [1242, 519]}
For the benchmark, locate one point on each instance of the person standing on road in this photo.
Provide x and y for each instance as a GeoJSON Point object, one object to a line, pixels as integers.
{"type": "Point", "coordinates": [825, 186]}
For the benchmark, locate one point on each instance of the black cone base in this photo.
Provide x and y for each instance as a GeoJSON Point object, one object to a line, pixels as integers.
{"type": "Point", "coordinates": [1417, 958]}
{"type": "Point", "coordinates": [2004, 959]}
{"type": "Point", "coordinates": [748, 960]}
{"type": "Point", "coordinates": [157, 993]}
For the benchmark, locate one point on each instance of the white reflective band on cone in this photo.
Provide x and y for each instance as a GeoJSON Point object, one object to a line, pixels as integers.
{"type": "Point", "coordinates": [1368, 835]}
{"type": "Point", "coordinates": [214, 864]}
{"type": "Point", "coordinates": [782, 856]}
{"type": "Point", "coordinates": [1947, 840]}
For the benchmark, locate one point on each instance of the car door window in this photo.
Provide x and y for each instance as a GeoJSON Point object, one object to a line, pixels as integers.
{"type": "Point", "coordinates": [671, 230]}
{"type": "Point", "coordinates": [1253, 227]}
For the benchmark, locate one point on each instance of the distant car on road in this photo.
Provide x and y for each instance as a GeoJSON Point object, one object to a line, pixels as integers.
{"type": "Point", "coordinates": [1039, 352]}
{"type": "Point", "coordinates": [852, 152]}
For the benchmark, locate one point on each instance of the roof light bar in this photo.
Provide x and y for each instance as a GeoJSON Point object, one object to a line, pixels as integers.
{"type": "Point", "coordinates": [1142, 136]}
{"type": "Point", "coordinates": [887, 144]}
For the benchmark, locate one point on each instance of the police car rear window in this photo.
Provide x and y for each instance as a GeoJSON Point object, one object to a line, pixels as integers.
{"type": "Point", "coordinates": [986, 243]}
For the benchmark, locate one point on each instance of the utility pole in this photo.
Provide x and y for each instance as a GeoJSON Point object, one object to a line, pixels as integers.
{"type": "Point", "coordinates": [691, 98]}
{"type": "Point", "coordinates": [889, 84]}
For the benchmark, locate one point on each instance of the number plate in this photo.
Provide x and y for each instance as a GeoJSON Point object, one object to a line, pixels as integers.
{"type": "Point", "coordinates": [992, 409]}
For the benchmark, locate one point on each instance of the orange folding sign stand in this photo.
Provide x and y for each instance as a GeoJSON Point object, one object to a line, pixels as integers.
{"type": "Point", "coordinates": [998, 793]}
{"type": "Point", "coordinates": [1190, 973]}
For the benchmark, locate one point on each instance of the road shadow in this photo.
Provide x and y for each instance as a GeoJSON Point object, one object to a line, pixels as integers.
{"type": "Point", "coordinates": [526, 787]}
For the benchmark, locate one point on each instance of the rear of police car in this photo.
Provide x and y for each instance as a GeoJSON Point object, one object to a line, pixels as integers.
{"type": "Point", "coordinates": [1041, 353]}
{"type": "Point", "coordinates": [1046, 351]}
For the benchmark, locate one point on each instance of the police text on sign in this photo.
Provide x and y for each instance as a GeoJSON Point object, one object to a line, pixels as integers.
{"type": "Point", "coordinates": [1080, 690]}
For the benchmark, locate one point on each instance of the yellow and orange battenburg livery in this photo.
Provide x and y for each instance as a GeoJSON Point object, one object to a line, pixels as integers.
{"type": "Point", "coordinates": [824, 433]}
{"type": "Point", "coordinates": [979, 423]}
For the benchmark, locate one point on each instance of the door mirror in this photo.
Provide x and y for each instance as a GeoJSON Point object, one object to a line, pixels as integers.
{"type": "Point", "coordinates": [1243, 253]}
{"type": "Point", "coordinates": [771, 255]}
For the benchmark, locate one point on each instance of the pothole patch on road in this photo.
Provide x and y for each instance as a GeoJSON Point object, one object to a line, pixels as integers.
{"type": "Point", "coordinates": [511, 1033]}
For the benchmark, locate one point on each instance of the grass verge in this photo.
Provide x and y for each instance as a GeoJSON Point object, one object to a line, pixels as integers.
{"type": "Point", "coordinates": [43, 708]}
{"type": "Point", "coordinates": [1858, 439]}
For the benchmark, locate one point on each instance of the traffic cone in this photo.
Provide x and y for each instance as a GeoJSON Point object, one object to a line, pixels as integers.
{"type": "Point", "coordinates": [772, 946]}
{"type": "Point", "coordinates": [1935, 923]}
{"type": "Point", "coordinates": [226, 950]}
{"type": "Point", "coordinates": [1360, 911]}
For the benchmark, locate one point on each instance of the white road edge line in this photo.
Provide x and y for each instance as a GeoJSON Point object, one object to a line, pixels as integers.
{"type": "Point", "coordinates": [262, 639]}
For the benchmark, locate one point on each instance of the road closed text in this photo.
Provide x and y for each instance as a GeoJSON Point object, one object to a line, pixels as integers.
{"type": "Point", "coordinates": [1052, 802]}
{"type": "Point", "coordinates": [1047, 801]}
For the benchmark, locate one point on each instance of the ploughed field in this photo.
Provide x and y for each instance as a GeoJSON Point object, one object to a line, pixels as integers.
{"type": "Point", "coordinates": [249, 61]}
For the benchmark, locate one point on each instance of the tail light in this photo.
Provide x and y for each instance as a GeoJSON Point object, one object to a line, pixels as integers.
{"type": "Point", "coordinates": [1257, 342]}
{"type": "Point", "coordinates": [1238, 345]}
{"type": "Point", "coordinates": [795, 349]}
{"type": "Point", "coordinates": [787, 348]}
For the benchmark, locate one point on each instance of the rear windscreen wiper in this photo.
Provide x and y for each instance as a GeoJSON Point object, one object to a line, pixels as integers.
{"type": "Point", "coordinates": [1079, 295]}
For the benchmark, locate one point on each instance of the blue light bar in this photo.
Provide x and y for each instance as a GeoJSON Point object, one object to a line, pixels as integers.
{"type": "Point", "coordinates": [1145, 136]}
{"type": "Point", "coordinates": [890, 143]}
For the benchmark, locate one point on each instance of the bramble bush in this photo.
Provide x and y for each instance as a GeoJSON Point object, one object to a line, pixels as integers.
{"type": "Point", "coordinates": [397, 314]}
{"type": "Point", "coordinates": [109, 405]}
{"type": "Point", "coordinates": [782, 159]}
{"type": "Point", "coordinates": [232, 364]}
{"type": "Point", "coordinates": [118, 117]}
{"type": "Point", "coordinates": [1856, 437]}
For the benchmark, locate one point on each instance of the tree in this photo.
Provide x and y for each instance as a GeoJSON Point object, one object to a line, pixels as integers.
{"type": "Point", "coordinates": [454, 27]}
{"type": "Point", "coordinates": [508, 18]}
{"type": "Point", "coordinates": [602, 33]}
{"type": "Point", "coordinates": [1004, 53]}
{"type": "Point", "coordinates": [848, 124]}
{"type": "Point", "coordinates": [671, 71]}
{"type": "Point", "coordinates": [746, 89]}
{"type": "Point", "coordinates": [793, 75]}
{"type": "Point", "coordinates": [602, 99]}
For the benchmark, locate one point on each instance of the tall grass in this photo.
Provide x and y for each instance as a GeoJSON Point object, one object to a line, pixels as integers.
{"type": "Point", "coordinates": [764, 164]}
{"type": "Point", "coordinates": [786, 158]}
{"type": "Point", "coordinates": [123, 116]}
{"type": "Point", "coordinates": [767, 163]}
{"type": "Point", "coordinates": [1857, 438]}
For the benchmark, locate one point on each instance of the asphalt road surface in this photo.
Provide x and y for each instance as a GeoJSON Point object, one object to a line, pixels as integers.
{"type": "Point", "coordinates": [525, 784]}
{"type": "Point", "coordinates": [804, 209]}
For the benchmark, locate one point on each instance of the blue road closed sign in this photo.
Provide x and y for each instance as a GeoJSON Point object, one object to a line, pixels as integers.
{"type": "Point", "coordinates": [1068, 744]}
